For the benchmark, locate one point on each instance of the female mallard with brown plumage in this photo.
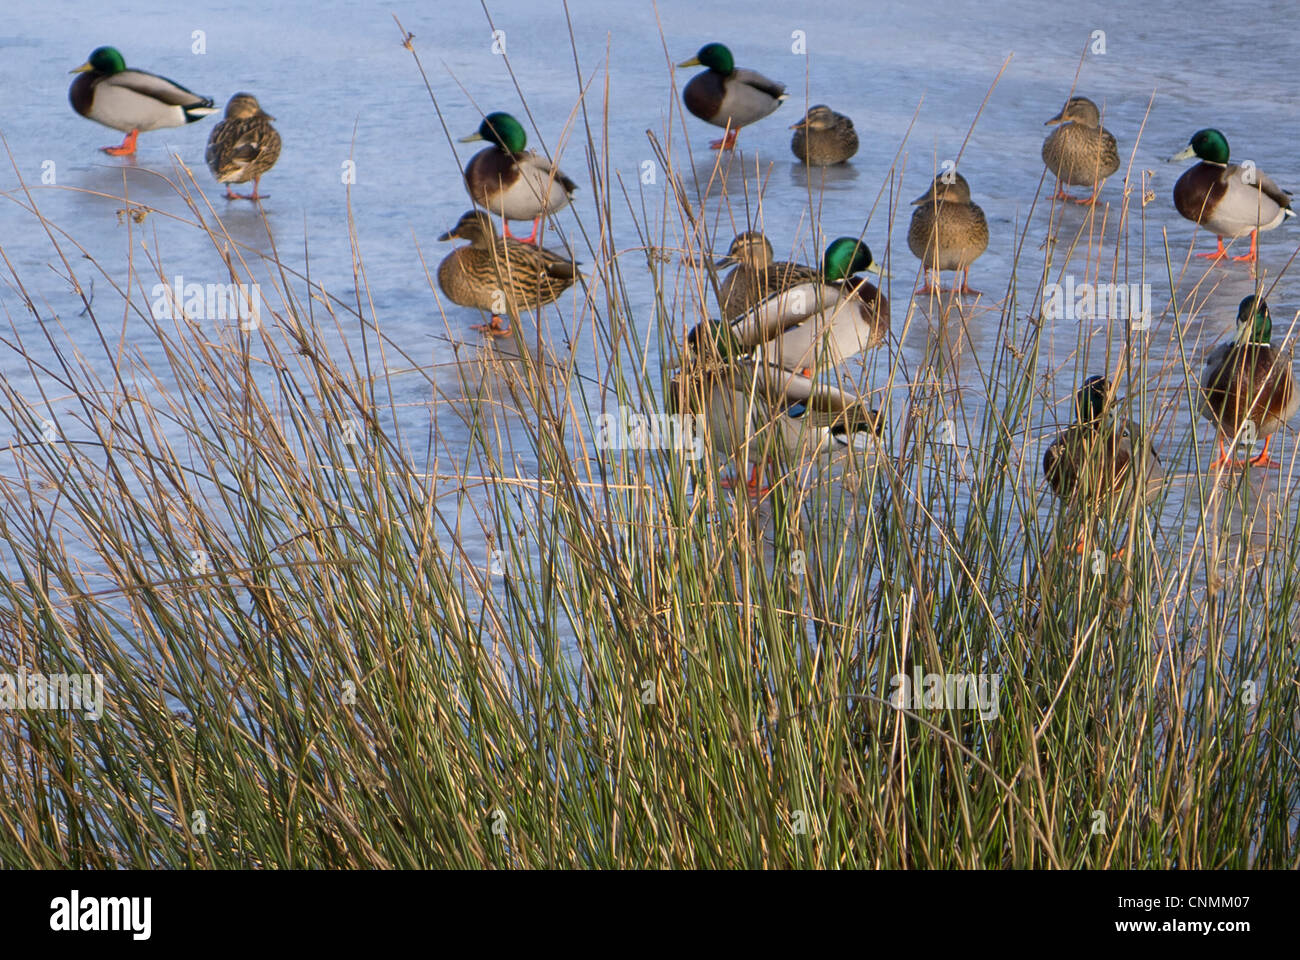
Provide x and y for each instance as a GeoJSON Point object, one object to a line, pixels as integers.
{"type": "Point", "coordinates": [823, 137]}
{"type": "Point", "coordinates": [1246, 380]}
{"type": "Point", "coordinates": [243, 146]}
{"type": "Point", "coordinates": [727, 96]}
{"type": "Point", "coordinates": [1230, 199]}
{"type": "Point", "coordinates": [713, 387]}
{"type": "Point", "coordinates": [514, 183]}
{"type": "Point", "coordinates": [1101, 460]}
{"type": "Point", "coordinates": [1080, 151]}
{"type": "Point", "coordinates": [756, 275]}
{"type": "Point", "coordinates": [132, 101]}
{"type": "Point", "coordinates": [948, 231]}
{"type": "Point", "coordinates": [500, 275]}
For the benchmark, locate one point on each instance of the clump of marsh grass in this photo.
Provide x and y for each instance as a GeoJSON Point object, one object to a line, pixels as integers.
{"type": "Point", "coordinates": [342, 629]}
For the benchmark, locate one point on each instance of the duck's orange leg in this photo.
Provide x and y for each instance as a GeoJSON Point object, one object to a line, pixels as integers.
{"type": "Point", "coordinates": [498, 327]}
{"type": "Point", "coordinates": [726, 143]}
{"type": "Point", "coordinates": [1223, 459]}
{"type": "Point", "coordinates": [1218, 254]}
{"type": "Point", "coordinates": [754, 486]}
{"type": "Point", "coordinates": [1088, 201]}
{"type": "Point", "coordinates": [532, 237]}
{"type": "Point", "coordinates": [965, 289]}
{"type": "Point", "coordinates": [1263, 460]}
{"type": "Point", "coordinates": [126, 148]}
{"type": "Point", "coordinates": [1253, 256]}
{"type": "Point", "coordinates": [255, 196]}
{"type": "Point", "coordinates": [925, 287]}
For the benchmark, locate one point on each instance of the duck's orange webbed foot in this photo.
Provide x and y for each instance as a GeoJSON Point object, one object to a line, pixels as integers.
{"type": "Point", "coordinates": [126, 148]}
{"type": "Point", "coordinates": [754, 486]}
{"type": "Point", "coordinates": [1264, 461]}
{"type": "Point", "coordinates": [1217, 254]}
{"type": "Point", "coordinates": [1253, 255]}
{"type": "Point", "coordinates": [497, 327]}
{"type": "Point", "coordinates": [726, 143]}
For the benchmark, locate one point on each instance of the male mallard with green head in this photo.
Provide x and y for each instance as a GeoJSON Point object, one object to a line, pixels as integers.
{"type": "Point", "coordinates": [500, 275]}
{"type": "Point", "coordinates": [132, 101]}
{"type": "Point", "coordinates": [756, 275]}
{"type": "Point", "coordinates": [727, 96]}
{"type": "Point", "coordinates": [514, 183]}
{"type": "Point", "coordinates": [243, 146]}
{"type": "Point", "coordinates": [1230, 199]}
{"type": "Point", "coordinates": [811, 417]}
{"type": "Point", "coordinates": [1246, 380]}
{"type": "Point", "coordinates": [1080, 151]}
{"type": "Point", "coordinates": [823, 320]}
{"type": "Point", "coordinates": [948, 231]}
{"type": "Point", "coordinates": [1101, 457]}
{"type": "Point", "coordinates": [823, 137]}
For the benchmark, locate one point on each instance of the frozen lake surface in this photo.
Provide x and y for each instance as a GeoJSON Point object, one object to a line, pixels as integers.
{"type": "Point", "coordinates": [913, 76]}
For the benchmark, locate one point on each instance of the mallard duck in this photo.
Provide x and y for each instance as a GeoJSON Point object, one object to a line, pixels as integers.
{"type": "Point", "coordinates": [500, 275]}
{"type": "Point", "coordinates": [131, 100]}
{"type": "Point", "coordinates": [811, 417]}
{"type": "Point", "coordinates": [823, 137]}
{"type": "Point", "coordinates": [713, 386]}
{"type": "Point", "coordinates": [827, 319]}
{"type": "Point", "coordinates": [1080, 151]}
{"type": "Point", "coordinates": [756, 275]}
{"type": "Point", "coordinates": [1245, 379]}
{"type": "Point", "coordinates": [726, 96]}
{"type": "Point", "coordinates": [514, 183]}
{"type": "Point", "coordinates": [1094, 460]}
{"type": "Point", "coordinates": [751, 409]}
{"type": "Point", "coordinates": [948, 231]}
{"type": "Point", "coordinates": [1230, 199]}
{"type": "Point", "coordinates": [243, 146]}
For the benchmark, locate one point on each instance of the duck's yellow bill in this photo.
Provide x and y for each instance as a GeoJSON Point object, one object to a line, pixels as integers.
{"type": "Point", "coordinates": [84, 68]}
{"type": "Point", "coordinates": [471, 138]}
{"type": "Point", "coordinates": [1185, 154]}
{"type": "Point", "coordinates": [693, 62]}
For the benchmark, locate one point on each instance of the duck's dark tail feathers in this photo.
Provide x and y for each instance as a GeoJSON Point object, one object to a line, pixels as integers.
{"type": "Point", "coordinates": [198, 110]}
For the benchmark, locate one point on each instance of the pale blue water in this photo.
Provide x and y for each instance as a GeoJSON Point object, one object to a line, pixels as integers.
{"type": "Point", "coordinates": [342, 88]}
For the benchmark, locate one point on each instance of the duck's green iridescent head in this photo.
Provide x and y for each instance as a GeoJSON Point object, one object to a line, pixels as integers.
{"type": "Point", "coordinates": [103, 60]}
{"type": "Point", "coordinates": [1208, 145]}
{"type": "Point", "coordinates": [714, 56]}
{"type": "Point", "coordinates": [501, 129]}
{"type": "Point", "coordinates": [1254, 325]}
{"type": "Point", "coordinates": [716, 338]}
{"type": "Point", "coordinates": [845, 257]}
{"type": "Point", "coordinates": [1090, 401]}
